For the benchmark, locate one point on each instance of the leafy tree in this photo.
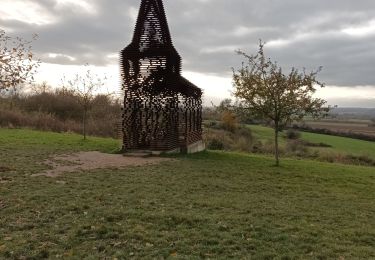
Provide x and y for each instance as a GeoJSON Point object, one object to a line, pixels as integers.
{"type": "Point", "coordinates": [229, 120]}
{"type": "Point", "coordinates": [84, 88]}
{"type": "Point", "coordinates": [225, 105]}
{"type": "Point", "coordinates": [16, 61]}
{"type": "Point", "coordinates": [238, 110]}
{"type": "Point", "coordinates": [228, 116]}
{"type": "Point", "coordinates": [277, 97]}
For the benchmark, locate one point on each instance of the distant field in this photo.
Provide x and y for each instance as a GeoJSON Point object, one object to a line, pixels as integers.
{"type": "Point", "coordinates": [342, 144]}
{"type": "Point", "coordinates": [210, 205]}
{"type": "Point", "coordinates": [339, 144]}
{"type": "Point", "coordinates": [354, 126]}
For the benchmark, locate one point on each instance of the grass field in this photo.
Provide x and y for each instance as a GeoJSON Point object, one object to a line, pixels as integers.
{"type": "Point", "coordinates": [353, 126]}
{"type": "Point", "coordinates": [341, 145]}
{"type": "Point", "coordinates": [209, 205]}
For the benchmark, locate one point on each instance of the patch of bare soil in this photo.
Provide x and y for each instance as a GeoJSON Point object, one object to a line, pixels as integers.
{"type": "Point", "coordinates": [85, 161]}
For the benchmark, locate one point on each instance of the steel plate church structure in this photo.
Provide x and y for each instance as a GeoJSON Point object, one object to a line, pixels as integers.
{"type": "Point", "coordinates": [162, 110]}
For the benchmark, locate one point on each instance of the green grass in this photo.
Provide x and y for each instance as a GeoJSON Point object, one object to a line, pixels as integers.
{"type": "Point", "coordinates": [341, 145]}
{"type": "Point", "coordinates": [53, 142]}
{"type": "Point", "coordinates": [263, 133]}
{"type": "Point", "coordinates": [209, 205]}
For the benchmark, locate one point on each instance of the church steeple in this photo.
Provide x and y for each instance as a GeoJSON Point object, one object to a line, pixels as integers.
{"type": "Point", "coordinates": [150, 63]}
{"type": "Point", "coordinates": [152, 29]}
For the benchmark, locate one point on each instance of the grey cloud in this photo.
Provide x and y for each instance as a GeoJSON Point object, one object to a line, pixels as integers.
{"type": "Point", "coordinates": [206, 33]}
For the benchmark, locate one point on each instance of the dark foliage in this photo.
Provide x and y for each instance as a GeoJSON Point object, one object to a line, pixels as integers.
{"type": "Point", "coordinates": [292, 134]}
{"type": "Point", "coordinates": [215, 144]}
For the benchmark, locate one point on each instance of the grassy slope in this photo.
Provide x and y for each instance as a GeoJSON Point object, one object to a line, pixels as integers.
{"type": "Point", "coordinates": [263, 133]}
{"type": "Point", "coordinates": [53, 142]}
{"type": "Point", "coordinates": [339, 144]}
{"type": "Point", "coordinates": [216, 205]}
{"type": "Point", "coordinates": [342, 144]}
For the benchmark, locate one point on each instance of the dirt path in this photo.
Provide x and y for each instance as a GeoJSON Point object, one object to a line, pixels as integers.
{"type": "Point", "coordinates": [85, 161]}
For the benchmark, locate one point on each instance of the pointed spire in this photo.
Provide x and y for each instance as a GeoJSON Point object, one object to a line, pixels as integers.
{"type": "Point", "coordinates": [152, 28]}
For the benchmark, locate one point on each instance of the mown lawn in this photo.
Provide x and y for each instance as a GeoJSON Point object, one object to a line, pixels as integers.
{"type": "Point", "coordinates": [210, 205]}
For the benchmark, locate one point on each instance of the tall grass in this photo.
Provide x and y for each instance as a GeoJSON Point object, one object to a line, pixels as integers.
{"type": "Point", "coordinates": [59, 111]}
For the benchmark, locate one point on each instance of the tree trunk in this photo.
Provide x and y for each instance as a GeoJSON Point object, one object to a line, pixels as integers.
{"type": "Point", "coordinates": [11, 103]}
{"type": "Point", "coordinates": [277, 146]}
{"type": "Point", "coordinates": [84, 124]}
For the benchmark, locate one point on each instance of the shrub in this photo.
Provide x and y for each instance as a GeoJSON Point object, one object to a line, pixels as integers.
{"type": "Point", "coordinates": [267, 147]}
{"type": "Point", "coordinates": [323, 145]}
{"type": "Point", "coordinates": [242, 144]}
{"type": "Point", "coordinates": [63, 105]}
{"type": "Point", "coordinates": [363, 160]}
{"type": "Point", "coordinates": [36, 120]}
{"type": "Point", "coordinates": [220, 139]}
{"type": "Point", "coordinates": [212, 124]}
{"type": "Point", "coordinates": [257, 147]}
{"type": "Point", "coordinates": [297, 147]}
{"type": "Point", "coordinates": [243, 139]}
{"type": "Point", "coordinates": [215, 144]}
{"type": "Point", "coordinates": [245, 132]}
{"type": "Point", "coordinates": [292, 134]}
{"type": "Point", "coordinates": [229, 121]}
{"type": "Point", "coordinates": [59, 111]}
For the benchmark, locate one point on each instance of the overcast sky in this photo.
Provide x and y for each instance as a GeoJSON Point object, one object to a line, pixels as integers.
{"type": "Point", "coordinates": [336, 34]}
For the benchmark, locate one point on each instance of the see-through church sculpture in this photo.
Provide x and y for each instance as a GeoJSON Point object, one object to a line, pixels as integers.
{"type": "Point", "coordinates": [162, 110]}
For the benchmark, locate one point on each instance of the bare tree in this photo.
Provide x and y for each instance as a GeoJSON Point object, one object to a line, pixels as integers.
{"type": "Point", "coordinates": [85, 88]}
{"type": "Point", "coordinates": [16, 61]}
{"type": "Point", "coordinates": [277, 97]}
{"type": "Point", "coordinates": [41, 88]}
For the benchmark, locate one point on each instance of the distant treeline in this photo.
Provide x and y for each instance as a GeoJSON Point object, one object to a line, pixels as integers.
{"type": "Point", "coordinates": [353, 113]}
